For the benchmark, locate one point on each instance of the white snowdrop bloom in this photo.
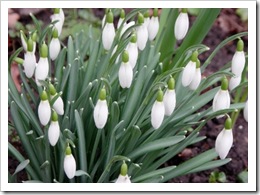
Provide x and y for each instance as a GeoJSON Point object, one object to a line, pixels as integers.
{"type": "Point", "coordinates": [127, 26]}
{"type": "Point", "coordinates": [54, 130]}
{"type": "Point", "coordinates": [238, 60]}
{"type": "Point", "coordinates": [169, 98]}
{"type": "Point", "coordinates": [132, 50]}
{"type": "Point", "coordinates": [123, 177]}
{"type": "Point", "coordinates": [101, 110]}
{"type": "Point", "coordinates": [147, 18]}
{"type": "Point", "coordinates": [141, 32]}
{"type": "Point", "coordinates": [181, 25]}
{"type": "Point", "coordinates": [54, 45]}
{"type": "Point", "coordinates": [44, 109]}
{"type": "Point", "coordinates": [62, 16]}
{"type": "Point", "coordinates": [196, 80]}
{"type": "Point", "coordinates": [158, 111]}
{"type": "Point", "coordinates": [153, 26]}
{"type": "Point", "coordinates": [234, 82]}
{"type": "Point", "coordinates": [245, 111]}
{"type": "Point", "coordinates": [59, 17]}
{"type": "Point", "coordinates": [121, 19]}
{"type": "Point", "coordinates": [108, 33]}
{"type": "Point", "coordinates": [190, 70]}
{"type": "Point", "coordinates": [42, 68]}
{"type": "Point", "coordinates": [58, 105]}
{"type": "Point", "coordinates": [29, 63]}
{"type": "Point", "coordinates": [125, 73]}
{"type": "Point", "coordinates": [224, 140]}
{"type": "Point", "coordinates": [222, 98]}
{"type": "Point", "coordinates": [34, 39]}
{"type": "Point", "coordinates": [69, 164]}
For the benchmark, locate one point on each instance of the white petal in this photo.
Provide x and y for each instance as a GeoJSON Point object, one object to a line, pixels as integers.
{"type": "Point", "coordinates": [69, 166]}
{"type": "Point", "coordinates": [59, 106]}
{"type": "Point", "coordinates": [101, 114]}
{"type": "Point", "coordinates": [146, 22]}
{"type": "Point", "coordinates": [29, 64]}
{"type": "Point", "coordinates": [245, 111]}
{"type": "Point", "coordinates": [238, 63]}
{"type": "Point", "coordinates": [108, 35]}
{"type": "Point", "coordinates": [44, 112]}
{"type": "Point", "coordinates": [169, 101]}
{"type": "Point", "coordinates": [157, 114]}
{"type": "Point", "coordinates": [123, 179]}
{"type": "Point", "coordinates": [224, 142]}
{"type": "Point", "coordinates": [127, 26]}
{"type": "Point", "coordinates": [221, 101]}
{"type": "Point", "coordinates": [62, 16]}
{"type": "Point", "coordinates": [188, 73]}
{"type": "Point", "coordinates": [181, 26]}
{"type": "Point", "coordinates": [196, 80]}
{"type": "Point", "coordinates": [119, 22]}
{"type": "Point", "coordinates": [142, 36]}
{"type": "Point", "coordinates": [42, 70]}
{"type": "Point", "coordinates": [58, 24]}
{"type": "Point", "coordinates": [133, 53]}
{"type": "Point", "coordinates": [54, 132]}
{"type": "Point", "coordinates": [125, 75]}
{"type": "Point", "coordinates": [234, 82]}
{"type": "Point", "coordinates": [153, 28]}
{"type": "Point", "coordinates": [34, 47]}
{"type": "Point", "coordinates": [24, 42]}
{"type": "Point", "coordinates": [54, 48]}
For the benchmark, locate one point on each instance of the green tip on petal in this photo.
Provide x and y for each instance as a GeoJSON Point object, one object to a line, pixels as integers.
{"type": "Point", "coordinates": [197, 63]}
{"type": "Point", "coordinates": [110, 17]}
{"type": "Point", "coordinates": [228, 124]}
{"type": "Point", "coordinates": [147, 14]}
{"type": "Point", "coordinates": [122, 14]}
{"type": "Point", "coordinates": [133, 38]}
{"type": "Point", "coordinates": [102, 94]}
{"type": "Point", "coordinates": [124, 169]}
{"type": "Point", "coordinates": [159, 95]}
{"type": "Point", "coordinates": [224, 83]}
{"type": "Point", "coordinates": [68, 150]}
{"type": "Point", "coordinates": [54, 116]}
{"type": "Point", "coordinates": [56, 10]}
{"type": "Point", "coordinates": [52, 89]}
{"type": "Point", "coordinates": [184, 10]}
{"type": "Point", "coordinates": [171, 83]}
{"type": "Point", "coordinates": [44, 96]}
{"type": "Point", "coordinates": [44, 50]}
{"type": "Point", "coordinates": [34, 36]}
{"type": "Point", "coordinates": [155, 12]}
{"type": "Point", "coordinates": [194, 56]}
{"type": "Point", "coordinates": [140, 18]}
{"type": "Point", "coordinates": [240, 45]}
{"type": "Point", "coordinates": [55, 33]}
{"type": "Point", "coordinates": [125, 56]}
{"type": "Point", "coordinates": [30, 45]}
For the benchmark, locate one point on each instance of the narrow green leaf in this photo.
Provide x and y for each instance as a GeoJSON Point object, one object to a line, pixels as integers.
{"type": "Point", "coordinates": [13, 56]}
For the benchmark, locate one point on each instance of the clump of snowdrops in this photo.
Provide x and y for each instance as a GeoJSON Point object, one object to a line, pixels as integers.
{"type": "Point", "coordinates": [116, 108]}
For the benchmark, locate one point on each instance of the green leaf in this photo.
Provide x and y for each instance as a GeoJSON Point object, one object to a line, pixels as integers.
{"type": "Point", "coordinates": [243, 177]}
{"type": "Point", "coordinates": [79, 173]}
{"type": "Point", "coordinates": [13, 56]}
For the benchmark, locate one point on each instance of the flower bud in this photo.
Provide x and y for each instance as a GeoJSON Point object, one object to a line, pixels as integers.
{"type": "Point", "coordinates": [44, 109]}
{"type": "Point", "coordinates": [125, 73]}
{"type": "Point", "coordinates": [158, 110]}
{"type": "Point", "coordinates": [142, 33]}
{"type": "Point", "coordinates": [190, 70]}
{"type": "Point", "coordinates": [238, 60]}
{"type": "Point", "coordinates": [54, 45]}
{"type": "Point", "coordinates": [123, 177]}
{"type": "Point", "coordinates": [101, 110]}
{"type": "Point", "coordinates": [59, 17]}
{"type": "Point", "coordinates": [58, 105]}
{"type": "Point", "coordinates": [197, 77]}
{"type": "Point", "coordinates": [42, 69]}
{"type": "Point", "coordinates": [29, 63]}
{"type": "Point", "coordinates": [108, 33]}
{"type": "Point", "coordinates": [147, 18]}
{"type": "Point", "coordinates": [132, 50]}
{"type": "Point", "coordinates": [169, 98]}
{"type": "Point", "coordinates": [69, 164]}
{"type": "Point", "coordinates": [54, 129]}
{"type": "Point", "coordinates": [234, 82]}
{"type": "Point", "coordinates": [153, 26]}
{"type": "Point", "coordinates": [121, 19]}
{"type": "Point", "coordinates": [181, 25]}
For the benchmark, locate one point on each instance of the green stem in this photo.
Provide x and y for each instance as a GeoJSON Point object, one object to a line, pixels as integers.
{"type": "Point", "coordinates": [95, 148]}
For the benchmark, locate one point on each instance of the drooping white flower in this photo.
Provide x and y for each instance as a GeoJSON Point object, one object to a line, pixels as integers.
{"type": "Point", "coordinates": [132, 50]}
{"type": "Point", "coordinates": [141, 32]}
{"type": "Point", "coordinates": [189, 70]}
{"type": "Point", "coordinates": [59, 17]}
{"type": "Point", "coordinates": [108, 33]}
{"type": "Point", "coordinates": [101, 110]}
{"type": "Point", "coordinates": [42, 69]}
{"type": "Point", "coordinates": [54, 130]}
{"type": "Point", "coordinates": [181, 25]}
{"type": "Point", "coordinates": [58, 105]}
{"type": "Point", "coordinates": [127, 26]}
{"type": "Point", "coordinates": [196, 80]}
{"type": "Point", "coordinates": [121, 18]}
{"type": "Point", "coordinates": [224, 140]}
{"type": "Point", "coordinates": [153, 26]}
{"type": "Point", "coordinates": [222, 98]}
{"type": "Point", "coordinates": [125, 73]}
{"type": "Point", "coordinates": [238, 60]}
{"type": "Point", "coordinates": [147, 18]}
{"type": "Point", "coordinates": [123, 177]}
{"type": "Point", "coordinates": [245, 111]}
{"type": "Point", "coordinates": [54, 45]}
{"type": "Point", "coordinates": [29, 62]}
{"type": "Point", "coordinates": [169, 98]}
{"type": "Point", "coordinates": [234, 82]}
{"type": "Point", "coordinates": [158, 111]}
{"type": "Point", "coordinates": [44, 109]}
{"type": "Point", "coordinates": [69, 164]}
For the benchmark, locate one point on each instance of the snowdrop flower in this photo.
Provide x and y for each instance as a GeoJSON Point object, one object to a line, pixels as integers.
{"type": "Point", "coordinates": [125, 73]}
{"type": "Point", "coordinates": [153, 26]}
{"type": "Point", "coordinates": [69, 163]}
{"type": "Point", "coordinates": [54, 129]}
{"type": "Point", "coordinates": [42, 69]}
{"type": "Point", "coordinates": [222, 98]}
{"type": "Point", "coordinates": [181, 25]}
{"type": "Point", "coordinates": [142, 33]}
{"type": "Point", "coordinates": [158, 110]}
{"type": "Point", "coordinates": [59, 17]}
{"type": "Point", "coordinates": [108, 33]}
{"type": "Point", "coordinates": [147, 18]}
{"type": "Point", "coordinates": [169, 99]}
{"type": "Point", "coordinates": [121, 19]}
{"type": "Point", "coordinates": [234, 82]}
{"type": "Point", "coordinates": [54, 45]}
{"type": "Point", "coordinates": [224, 140]}
{"type": "Point", "coordinates": [238, 60]}
{"type": "Point", "coordinates": [34, 38]}
{"type": "Point", "coordinates": [29, 62]}
{"type": "Point", "coordinates": [132, 50]}
{"type": "Point", "coordinates": [58, 105]}
{"type": "Point", "coordinates": [245, 111]}
{"type": "Point", "coordinates": [123, 177]}
{"type": "Point", "coordinates": [101, 110]}
{"type": "Point", "coordinates": [190, 70]}
{"type": "Point", "coordinates": [197, 77]}
{"type": "Point", "coordinates": [44, 109]}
